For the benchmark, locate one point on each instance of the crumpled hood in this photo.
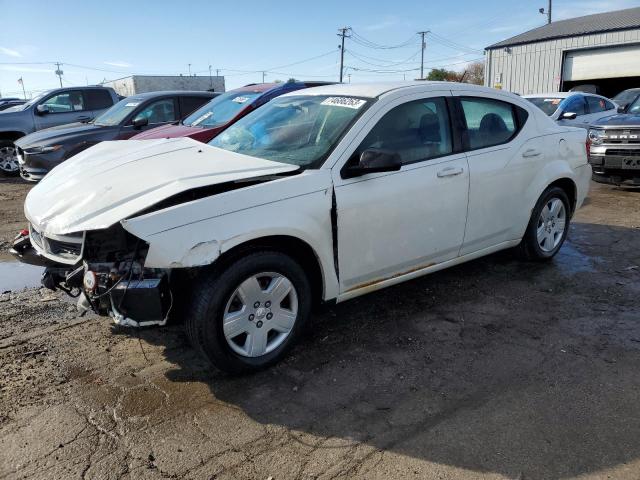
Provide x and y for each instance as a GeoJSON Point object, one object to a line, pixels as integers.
{"type": "Point", "coordinates": [114, 180]}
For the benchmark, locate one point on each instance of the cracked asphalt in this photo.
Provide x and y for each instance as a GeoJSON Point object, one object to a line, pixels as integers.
{"type": "Point", "coordinates": [496, 369]}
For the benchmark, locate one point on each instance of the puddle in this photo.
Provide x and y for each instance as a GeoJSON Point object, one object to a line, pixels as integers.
{"type": "Point", "coordinates": [570, 260]}
{"type": "Point", "coordinates": [15, 276]}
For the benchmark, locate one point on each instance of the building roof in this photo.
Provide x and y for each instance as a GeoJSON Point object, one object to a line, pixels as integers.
{"type": "Point", "coordinates": [600, 22]}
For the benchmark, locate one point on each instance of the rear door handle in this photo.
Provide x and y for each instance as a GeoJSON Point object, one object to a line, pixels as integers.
{"type": "Point", "coordinates": [530, 153]}
{"type": "Point", "coordinates": [450, 171]}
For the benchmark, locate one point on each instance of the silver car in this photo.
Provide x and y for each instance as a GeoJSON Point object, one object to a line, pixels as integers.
{"type": "Point", "coordinates": [574, 109]}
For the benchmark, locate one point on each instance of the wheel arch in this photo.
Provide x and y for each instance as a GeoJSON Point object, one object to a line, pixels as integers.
{"type": "Point", "coordinates": [295, 247]}
{"type": "Point", "coordinates": [570, 188]}
{"type": "Point", "coordinates": [12, 135]}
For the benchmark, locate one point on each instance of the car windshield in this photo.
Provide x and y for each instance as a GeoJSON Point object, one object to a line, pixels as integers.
{"type": "Point", "coordinates": [634, 107]}
{"type": "Point", "coordinates": [34, 100]}
{"type": "Point", "coordinates": [300, 130]}
{"type": "Point", "coordinates": [626, 97]}
{"type": "Point", "coordinates": [547, 104]}
{"type": "Point", "coordinates": [221, 109]}
{"type": "Point", "coordinates": [116, 114]}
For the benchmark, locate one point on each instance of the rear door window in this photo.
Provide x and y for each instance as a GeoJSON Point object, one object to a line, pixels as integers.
{"type": "Point", "coordinates": [596, 104]}
{"type": "Point", "coordinates": [490, 122]}
{"type": "Point", "coordinates": [98, 99]}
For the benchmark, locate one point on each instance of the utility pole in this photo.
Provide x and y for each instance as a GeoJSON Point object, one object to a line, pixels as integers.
{"type": "Point", "coordinates": [422, 47]}
{"type": "Point", "coordinates": [349, 75]}
{"type": "Point", "coordinates": [189, 69]}
{"type": "Point", "coordinates": [343, 34]}
{"type": "Point", "coordinates": [210, 78]}
{"type": "Point", "coordinates": [59, 72]}
{"type": "Point", "coordinates": [264, 74]}
{"type": "Point", "coordinates": [548, 12]}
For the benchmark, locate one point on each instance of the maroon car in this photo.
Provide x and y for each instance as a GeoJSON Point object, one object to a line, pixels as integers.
{"type": "Point", "coordinates": [215, 116]}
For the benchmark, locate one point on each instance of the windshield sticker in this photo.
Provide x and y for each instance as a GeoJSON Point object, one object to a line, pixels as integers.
{"type": "Point", "coordinates": [240, 99]}
{"type": "Point", "coordinates": [347, 102]}
{"type": "Point", "coordinates": [202, 118]}
{"type": "Point", "coordinates": [132, 104]}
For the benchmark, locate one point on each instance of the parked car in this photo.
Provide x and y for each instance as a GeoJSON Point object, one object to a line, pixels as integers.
{"type": "Point", "coordinates": [51, 108]}
{"type": "Point", "coordinates": [573, 109]}
{"type": "Point", "coordinates": [10, 102]}
{"type": "Point", "coordinates": [323, 194]}
{"type": "Point", "coordinates": [207, 122]}
{"type": "Point", "coordinates": [39, 152]}
{"type": "Point", "coordinates": [626, 98]}
{"type": "Point", "coordinates": [614, 147]}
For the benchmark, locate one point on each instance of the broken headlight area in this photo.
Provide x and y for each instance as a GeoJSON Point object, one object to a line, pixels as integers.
{"type": "Point", "coordinates": [113, 281]}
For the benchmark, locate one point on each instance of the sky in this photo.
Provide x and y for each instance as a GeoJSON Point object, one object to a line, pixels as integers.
{"type": "Point", "coordinates": [95, 41]}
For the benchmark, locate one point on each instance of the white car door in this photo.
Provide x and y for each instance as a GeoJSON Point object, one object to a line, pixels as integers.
{"type": "Point", "coordinates": [398, 222]}
{"type": "Point", "coordinates": [503, 157]}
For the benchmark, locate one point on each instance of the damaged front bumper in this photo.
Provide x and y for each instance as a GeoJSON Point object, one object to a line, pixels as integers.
{"type": "Point", "coordinates": [111, 282]}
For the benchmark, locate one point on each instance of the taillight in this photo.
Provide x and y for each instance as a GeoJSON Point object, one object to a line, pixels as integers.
{"type": "Point", "coordinates": [587, 145]}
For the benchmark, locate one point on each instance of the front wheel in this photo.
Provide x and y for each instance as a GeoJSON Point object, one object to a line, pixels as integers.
{"type": "Point", "coordinates": [247, 316]}
{"type": "Point", "coordinates": [548, 226]}
{"type": "Point", "coordinates": [8, 158]}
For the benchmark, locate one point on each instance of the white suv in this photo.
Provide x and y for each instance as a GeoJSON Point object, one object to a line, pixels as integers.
{"type": "Point", "coordinates": [322, 195]}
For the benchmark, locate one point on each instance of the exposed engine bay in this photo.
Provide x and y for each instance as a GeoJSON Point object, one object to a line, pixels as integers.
{"type": "Point", "coordinates": [110, 279]}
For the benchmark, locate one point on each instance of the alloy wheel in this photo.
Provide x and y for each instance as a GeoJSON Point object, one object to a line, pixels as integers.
{"type": "Point", "coordinates": [8, 159]}
{"type": "Point", "coordinates": [551, 224]}
{"type": "Point", "coordinates": [260, 314]}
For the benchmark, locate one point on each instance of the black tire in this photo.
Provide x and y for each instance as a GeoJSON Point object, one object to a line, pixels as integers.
{"type": "Point", "coordinates": [214, 289]}
{"type": "Point", "coordinates": [529, 248]}
{"type": "Point", "coordinates": [5, 144]}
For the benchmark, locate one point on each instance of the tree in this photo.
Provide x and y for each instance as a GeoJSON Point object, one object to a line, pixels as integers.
{"type": "Point", "coordinates": [475, 74]}
{"type": "Point", "coordinates": [442, 75]}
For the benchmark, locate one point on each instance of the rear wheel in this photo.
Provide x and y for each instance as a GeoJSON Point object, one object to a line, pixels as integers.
{"type": "Point", "coordinates": [8, 158]}
{"type": "Point", "coordinates": [548, 226]}
{"type": "Point", "coordinates": [247, 316]}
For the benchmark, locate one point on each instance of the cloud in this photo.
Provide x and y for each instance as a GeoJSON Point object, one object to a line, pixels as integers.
{"type": "Point", "coordinates": [10, 52]}
{"type": "Point", "coordinates": [118, 64]}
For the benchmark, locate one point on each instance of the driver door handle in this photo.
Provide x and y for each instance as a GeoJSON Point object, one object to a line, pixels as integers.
{"type": "Point", "coordinates": [532, 152]}
{"type": "Point", "coordinates": [450, 172]}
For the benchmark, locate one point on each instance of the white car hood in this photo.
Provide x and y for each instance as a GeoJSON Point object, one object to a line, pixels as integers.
{"type": "Point", "coordinates": [114, 180]}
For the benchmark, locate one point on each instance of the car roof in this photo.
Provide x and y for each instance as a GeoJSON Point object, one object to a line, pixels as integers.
{"type": "Point", "coordinates": [377, 89]}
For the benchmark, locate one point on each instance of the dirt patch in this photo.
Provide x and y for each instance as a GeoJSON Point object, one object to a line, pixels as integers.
{"type": "Point", "coordinates": [495, 369]}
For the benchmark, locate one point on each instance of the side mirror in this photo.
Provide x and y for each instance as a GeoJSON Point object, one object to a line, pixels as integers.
{"type": "Point", "coordinates": [42, 109]}
{"type": "Point", "coordinates": [568, 116]}
{"type": "Point", "coordinates": [622, 108]}
{"type": "Point", "coordinates": [140, 122]}
{"type": "Point", "coordinates": [374, 160]}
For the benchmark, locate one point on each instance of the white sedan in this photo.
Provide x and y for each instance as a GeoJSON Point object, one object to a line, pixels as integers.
{"type": "Point", "coordinates": [322, 195]}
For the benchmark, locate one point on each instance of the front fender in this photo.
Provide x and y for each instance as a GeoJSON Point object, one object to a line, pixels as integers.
{"type": "Point", "coordinates": [176, 241]}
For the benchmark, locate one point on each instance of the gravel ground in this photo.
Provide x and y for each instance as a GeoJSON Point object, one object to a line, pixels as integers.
{"type": "Point", "coordinates": [495, 369]}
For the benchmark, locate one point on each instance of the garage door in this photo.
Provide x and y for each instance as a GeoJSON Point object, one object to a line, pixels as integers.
{"type": "Point", "coordinates": [612, 62]}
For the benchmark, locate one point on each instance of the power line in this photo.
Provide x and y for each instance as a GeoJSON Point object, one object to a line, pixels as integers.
{"type": "Point", "coordinates": [359, 39]}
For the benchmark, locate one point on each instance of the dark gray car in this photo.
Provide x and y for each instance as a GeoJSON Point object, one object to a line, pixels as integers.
{"type": "Point", "coordinates": [39, 152]}
{"type": "Point", "coordinates": [51, 108]}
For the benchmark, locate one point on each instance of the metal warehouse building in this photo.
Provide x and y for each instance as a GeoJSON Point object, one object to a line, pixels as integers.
{"type": "Point", "coordinates": [153, 83]}
{"type": "Point", "coordinates": [601, 50]}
